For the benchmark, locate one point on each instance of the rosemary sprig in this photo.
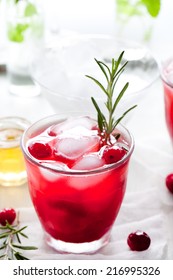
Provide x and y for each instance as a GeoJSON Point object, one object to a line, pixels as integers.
{"type": "Point", "coordinates": [112, 75]}
{"type": "Point", "coordinates": [11, 245]}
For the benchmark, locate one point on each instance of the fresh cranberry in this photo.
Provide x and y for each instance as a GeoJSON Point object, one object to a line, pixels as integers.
{"type": "Point", "coordinates": [138, 241]}
{"type": "Point", "coordinates": [169, 182]}
{"type": "Point", "coordinates": [112, 154]}
{"type": "Point", "coordinates": [51, 133]}
{"type": "Point", "coordinates": [7, 215]}
{"type": "Point", "coordinates": [40, 150]}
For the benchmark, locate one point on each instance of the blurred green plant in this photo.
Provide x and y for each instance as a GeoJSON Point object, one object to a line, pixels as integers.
{"type": "Point", "coordinates": [16, 31]}
{"type": "Point", "coordinates": [138, 7]}
{"type": "Point", "coordinates": [126, 9]}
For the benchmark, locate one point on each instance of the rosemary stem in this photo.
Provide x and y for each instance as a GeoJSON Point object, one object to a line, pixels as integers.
{"type": "Point", "coordinates": [8, 246]}
{"type": "Point", "coordinates": [110, 95]}
{"type": "Point", "coordinates": [9, 250]}
{"type": "Point", "coordinates": [112, 74]}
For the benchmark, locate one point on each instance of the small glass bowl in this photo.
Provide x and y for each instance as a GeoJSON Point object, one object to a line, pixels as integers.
{"type": "Point", "coordinates": [61, 68]}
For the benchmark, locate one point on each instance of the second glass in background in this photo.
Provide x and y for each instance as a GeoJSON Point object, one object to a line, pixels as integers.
{"type": "Point", "coordinates": [167, 79]}
{"type": "Point", "coordinates": [25, 35]}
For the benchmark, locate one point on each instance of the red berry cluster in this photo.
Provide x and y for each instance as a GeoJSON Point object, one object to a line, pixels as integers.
{"type": "Point", "coordinates": [7, 215]}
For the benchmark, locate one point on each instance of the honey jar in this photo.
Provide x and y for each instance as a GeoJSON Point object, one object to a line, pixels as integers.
{"type": "Point", "coordinates": [12, 166]}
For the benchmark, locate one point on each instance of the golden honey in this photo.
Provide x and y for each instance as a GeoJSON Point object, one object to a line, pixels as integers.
{"type": "Point", "coordinates": [12, 167]}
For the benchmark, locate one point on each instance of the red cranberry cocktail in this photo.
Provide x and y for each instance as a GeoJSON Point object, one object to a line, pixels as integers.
{"type": "Point", "coordinates": [167, 78]}
{"type": "Point", "coordinates": [76, 180]}
{"type": "Point", "coordinates": [77, 170]}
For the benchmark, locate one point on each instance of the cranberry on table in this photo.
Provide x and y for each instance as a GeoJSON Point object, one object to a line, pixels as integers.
{"type": "Point", "coordinates": [138, 241]}
{"type": "Point", "coordinates": [169, 182]}
{"type": "Point", "coordinates": [40, 150]}
{"type": "Point", "coordinates": [7, 215]}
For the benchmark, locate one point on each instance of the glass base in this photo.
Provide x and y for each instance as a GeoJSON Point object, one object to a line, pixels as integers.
{"type": "Point", "coordinates": [24, 90]}
{"type": "Point", "coordinates": [22, 86]}
{"type": "Point", "coordinates": [77, 248]}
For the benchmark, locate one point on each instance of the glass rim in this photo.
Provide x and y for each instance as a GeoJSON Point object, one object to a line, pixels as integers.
{"type": "Point", "coordinates": [163, 66]}
{"type": "Point", "coordinates": [165, 80]}
{"type": "Point", "coordinates": [76, 172]}
{"type": "Point", "coordinates": [12, 122]}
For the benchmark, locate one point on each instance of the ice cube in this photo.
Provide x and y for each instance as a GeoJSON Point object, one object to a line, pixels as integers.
{"type": "Point", "coordinates": [74, 148]}
{"type": "Point", "coordinates": [55, 165]}
{"type": "Point", "coordinates": [89, 162]}
{"type": "Point", "coordinates": [81, 182]}
{"type": "Point", "coordinates": [51, 175]}
{"type": "Point", "coordinates": [73, 125]}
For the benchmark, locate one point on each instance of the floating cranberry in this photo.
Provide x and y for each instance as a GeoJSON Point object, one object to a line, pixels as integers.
{"type": "Point", "coordinates": [113, 154]}
{"type": "Point", "coordinates": [169, 182]}
{"type": "Point", "coordinates": [7, 215]}
{"type": "Point", "coordinates": [40, 150]}
{"type": "Point", "coordinates": [138, 241]}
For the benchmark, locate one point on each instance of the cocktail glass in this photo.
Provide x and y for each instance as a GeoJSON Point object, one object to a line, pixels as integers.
{"type": "Point", "coordinates": [167, 78]}
{"type": "Point", "coordinates": [77, 208]}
